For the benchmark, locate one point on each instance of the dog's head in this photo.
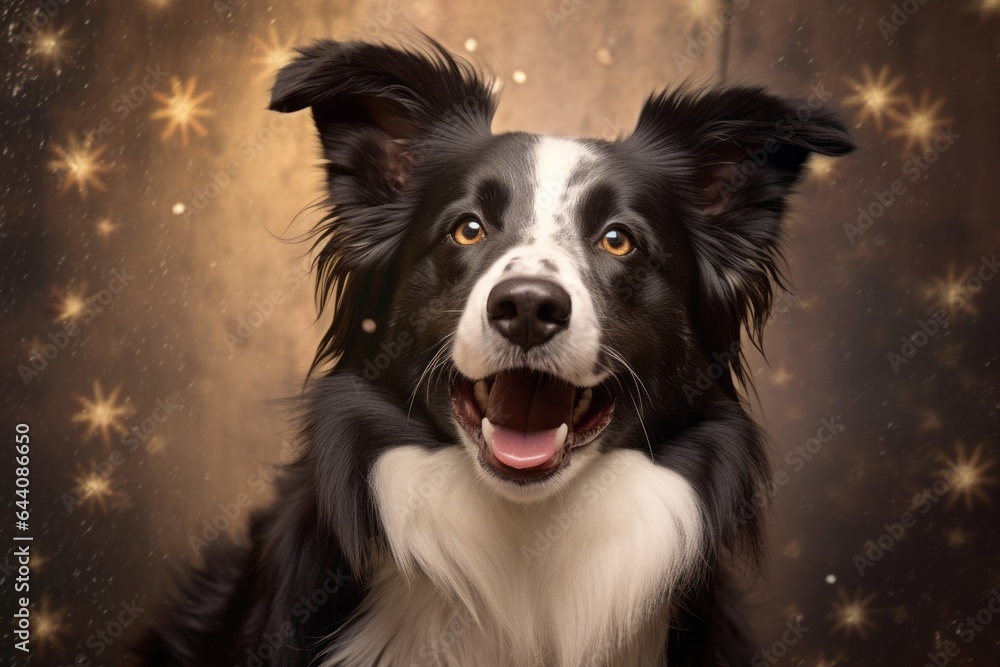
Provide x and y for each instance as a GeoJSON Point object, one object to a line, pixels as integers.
{"type": "Point", "coordinates": [542, 299]}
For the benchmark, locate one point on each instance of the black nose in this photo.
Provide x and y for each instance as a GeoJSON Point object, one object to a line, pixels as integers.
{"type": "Point", "coordinates": [528, 311]}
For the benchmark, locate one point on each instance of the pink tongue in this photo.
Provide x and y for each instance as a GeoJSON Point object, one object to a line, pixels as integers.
{"type": "Point", "coordinates": [520, 450]}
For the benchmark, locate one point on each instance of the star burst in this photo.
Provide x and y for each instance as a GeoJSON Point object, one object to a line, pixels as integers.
{"type": "Point", "coordinates": [105, 226]}
{"type": "Point", "coordinates": [103, 414]}
{"type": "Point", "coordinates": [37, 561]}
{"type": "Point", "coordinates": [34, 347]}
{"type": "Point", "coordinates": [919, 123]}
{"type": "Point", "coordinates": [989, 6]}
{"type": "Point", "coordinates": [821, 661]}
{"type": "Point", "coordinates": [274, 54]}
{"type": "Point", "coordinates": [71, 305]}
{"type": "Point", "coordinates": [875, 95]}
{"type": "Point", "coordinates": [853, 614]}
{"type": "Point", "coordinates": [98, 490]}
{"type": "Point", "coordinates": [48, 626]}
{"type": "Point", "coordinates": [966, 476]}
{"type": "Point", "coordinates": [822, 169]}
{"type": "Point", "coordinates": [951, 294]}
{"type": "Point", "coordinates": [51, 47]}
{"type": "Point", "coordinates": [156, 444]}
{"type": "Point", "coordinates": [182, 110]}
{"type": "Point", "coordinates": [79, 164]}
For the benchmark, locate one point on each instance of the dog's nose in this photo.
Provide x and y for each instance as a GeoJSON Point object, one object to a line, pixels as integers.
{"type": "Point", "coordinates": [528, 311]}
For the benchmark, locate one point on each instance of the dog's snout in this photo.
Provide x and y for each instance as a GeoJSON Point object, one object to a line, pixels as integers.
{"type": "Point", "coordinates": [528, 311]}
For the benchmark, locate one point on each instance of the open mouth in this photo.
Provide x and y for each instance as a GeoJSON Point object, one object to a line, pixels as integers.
{"type": "Point", "coordinates": [527, 423]}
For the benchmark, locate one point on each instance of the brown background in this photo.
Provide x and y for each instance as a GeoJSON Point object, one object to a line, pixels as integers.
{"type": "Point", "coordinates": [200, 273]}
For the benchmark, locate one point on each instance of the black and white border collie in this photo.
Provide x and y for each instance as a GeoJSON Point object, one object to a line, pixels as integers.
{"type": "Point", "coordinates": [524, 443]}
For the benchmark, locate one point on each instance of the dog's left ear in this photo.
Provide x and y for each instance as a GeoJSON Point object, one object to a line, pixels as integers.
{"type": "Point", "coordinates": [376, 108]}
{"type": "Point", "coordinates": [372, 103]}
{"type": "Point", "coordinates": [739, 151]}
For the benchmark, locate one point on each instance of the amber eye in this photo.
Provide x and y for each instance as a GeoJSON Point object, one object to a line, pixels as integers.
{"type": "Point", "coordinates": [468, 232]}
{"type": "Point", "coordinates": [617, 242]}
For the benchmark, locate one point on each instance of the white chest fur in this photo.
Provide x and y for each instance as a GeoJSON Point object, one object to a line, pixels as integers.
{"type": "Point", "coordinates": [475, 579]}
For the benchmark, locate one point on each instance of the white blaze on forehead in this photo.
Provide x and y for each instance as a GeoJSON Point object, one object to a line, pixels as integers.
{"type": "Point", "coordinates": [547, 251]}
{"type": "Point", "coordinates": [556, 160]}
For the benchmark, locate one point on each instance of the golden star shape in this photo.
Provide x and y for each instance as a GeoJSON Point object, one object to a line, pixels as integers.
{"type": "Point", "coordinates": [182, 110]}
{"type": "Point", "coordinates": [853, 614]}
{"type": "Point", "coordinates": [918, 124]}
{"type": "Point", "coordinates": [951, 292]}
{"type": "Point", "coordinates": [966, 476]}
{"type": "Point", "coordinates": [274, 54]}
{"type": "Point", "coordinates": [822, 169]}
{"type": "Point", "coordinates": [96, 490]}
{"type": "Point", "coordinates": [103, 414]}
{"type": "Point", "coordinates": [875, 95]}
{"type": "Point", "coordinates": [48, 626]}
{"type": "Point", "coordinates": [71, 305]}
{"type": "Point", "coordinates": [50, 46]}
{"type": "Point", "coordinates": [79, 164]}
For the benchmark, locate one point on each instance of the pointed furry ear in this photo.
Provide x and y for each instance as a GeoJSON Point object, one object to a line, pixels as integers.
{"type": "Point", "coordinates": [376, 108]}
{"type": "Point", "coordinates": [742, 137]}
{"type": "Point", "coordinates": [373, 102]}
{"type": "Point", "coordinates": [740, 151]}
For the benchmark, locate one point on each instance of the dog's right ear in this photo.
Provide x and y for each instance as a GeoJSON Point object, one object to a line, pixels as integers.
{"type": "Point", "coordinates": [374, 103]}
{"type": "Point", "coordinates": [376, 108]}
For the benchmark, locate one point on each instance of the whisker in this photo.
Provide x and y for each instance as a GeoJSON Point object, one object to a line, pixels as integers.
{"type": "Point", "coordinates": [635, 398]}
{"type": "Point", "coordinates": [428, 371]}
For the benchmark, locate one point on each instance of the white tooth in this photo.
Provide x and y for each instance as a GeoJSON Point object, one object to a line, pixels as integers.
{"type": "Point", "coordinates": [583, 405]}
{"type": "Point", "coordinates": [488, 432]}
{"type": "Point", "coordinates": [482, 395]}
{"type": "Point", "coordinates": [561, 434]}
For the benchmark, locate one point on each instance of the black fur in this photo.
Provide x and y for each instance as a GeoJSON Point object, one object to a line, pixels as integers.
{"type": "Point", "coordinates": [406, 139]}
